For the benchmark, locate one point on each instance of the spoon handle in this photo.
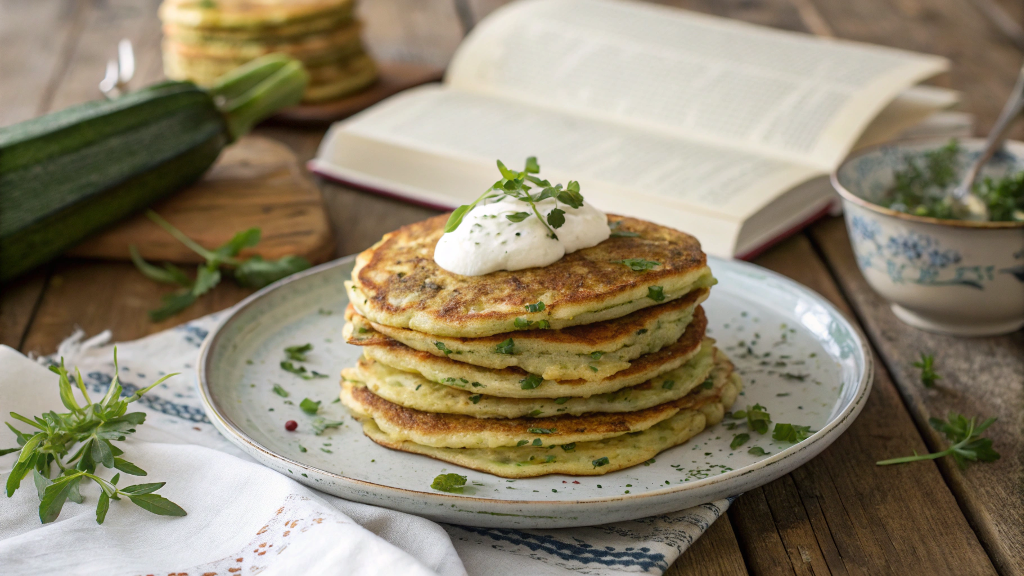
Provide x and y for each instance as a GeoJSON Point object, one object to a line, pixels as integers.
{"type": "Point", "coordinates": [996, 137]}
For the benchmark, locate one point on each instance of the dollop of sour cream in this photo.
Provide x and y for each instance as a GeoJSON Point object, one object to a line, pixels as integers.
{"type": "Point", "coordinates": [487, 241]}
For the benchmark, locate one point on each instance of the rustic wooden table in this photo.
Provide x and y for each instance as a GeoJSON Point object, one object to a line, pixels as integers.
{"type": "Point", "coordinates": [840, 513]}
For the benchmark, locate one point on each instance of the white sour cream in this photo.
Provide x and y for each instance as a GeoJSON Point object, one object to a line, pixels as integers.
{"type": "Point", "coordinates": [487, 241]}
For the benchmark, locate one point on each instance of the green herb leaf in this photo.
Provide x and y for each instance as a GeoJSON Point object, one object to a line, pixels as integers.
{"type": "Point", "coordinates": [172, 305]}
{"type": "Point", "coordinates": [757, 451]}
{"type": "Point", "coordinates": [301, 371]}
{"type": "Point", "coordinates": [928, 375]}
{"type": "Point", "coordinates": [505, 347]}
{"type": "Point", "coordinates": [257, 273]}
{"type": "Point", "coordinates": [443, 348]}
{"type": "Point", "coordinates": [321, 424]}
{"type": "Point", "coordinates": [569, 447]}
{"type": "Point", "coordinates": [668, 384]}
{"type": "Point", "coordinates": [280, 391]}
{"type": "Point", "coordinates": [137, 489]}
{"type": "Point", "coordinates": [739, 440]}
{"type": "Point", "coordinates": [128, 467]}
{"type": "Point", "coordinates": [102, 506]}
{"type": "Point", "coordinates": [968, 445]}
{"type": "Point", "coordinates": [656, 293]}
{"type": "Point", "coordinates": [453, 483]}
{"type": "Point", "coordinates": [556, 218]}
{"type": "Point", "coordinates": [638, 264]}
{"type": "Point", "coordinates": [602, 461]}
{"type": "Point", "coordinates": [791, 433]}
{"type": "Point", "coordinates": [530, 382]}
{"type": "Point", "coordinates": [541, 430]}
{"type": "Point", "coordinates": [757, 418]}
{"type": "Point", "coordinates": [309, 406]}
{"type": "Point", "coordinates": [518, 216]}
{"type": "Point", "coordinates": [538, 307]}
{"type": "Point", "coordinates": [562, 400]}
{"type": "Point", "coordinates": [475, 398]}
{"type": "Point", "coordinates": [55, 495]}
{"type": "Point", "coordinates": [157, 504]}
{"type": "Point", "coordinates": [169, 274]}
{"type": "Point", "coordinates": [298, 353]}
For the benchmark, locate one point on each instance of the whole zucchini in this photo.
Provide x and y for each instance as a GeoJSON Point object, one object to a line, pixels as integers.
{"type": "Point", "coordinates": [69, 174]}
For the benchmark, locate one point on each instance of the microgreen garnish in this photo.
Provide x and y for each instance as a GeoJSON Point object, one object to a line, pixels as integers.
{"type": "Point", "coordinates": [92, 428]}
{"type": "Point", "coordinates": [928, 375]}
{"type": "Point", "coordinates": [298, 353]}
{"type": "Point", "coordinates": [638, 264]}
{"type": "Point", "coordinates": [602, 461]}
{"type": "Point", "coordinates": [538, 307]}
{"type": "Point", "coordinates": [309, 406]}
{"type": "Point", "coordinates": [739, 440]}
{"type": "Point", "coordinates": [757, 418]}
{"type": "Point", "coordinates": [968, 445]}
{"type": "Point", "coordinates": [505, 347]}
{"type": "Point", "coordinates": [791, 433]}
{"type": "Point", "coordinates": [253, 272]}
{"type": "Point", "coordinates": [540, 430]}
{"type": "Point", "coordinates": [514, 185]}
{"type": "Point", "coordinates": [656, 293]}
{"type": "Point", "coordinates": [530, 382]}
{"type": "Point", "coordinates": [301, 371]}
{"type": "Point", "coordinates": [443, 348]}
{"type": "Point", "coordinates": [449, 483]}
{"type": "Point", "coordinates": [280, 391]}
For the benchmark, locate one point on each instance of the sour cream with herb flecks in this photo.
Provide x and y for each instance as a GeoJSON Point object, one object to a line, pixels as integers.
{"type": "Point", "coordinates": [488, 241]}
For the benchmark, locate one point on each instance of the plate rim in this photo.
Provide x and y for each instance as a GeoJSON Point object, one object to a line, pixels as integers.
{"type": "Point", "coordinates": [827, 433]}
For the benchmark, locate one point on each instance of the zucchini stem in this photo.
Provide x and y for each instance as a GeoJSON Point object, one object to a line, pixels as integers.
{"type": "Point", "coordinates": [254, 91]}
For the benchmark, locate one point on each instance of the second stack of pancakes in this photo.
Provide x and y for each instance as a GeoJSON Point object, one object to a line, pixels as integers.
{"type": "Point", "coordinates": [595, 363]}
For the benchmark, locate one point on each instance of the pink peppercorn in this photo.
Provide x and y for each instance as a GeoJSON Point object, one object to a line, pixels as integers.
{"type": "Point", "coordinates": [291, 425]}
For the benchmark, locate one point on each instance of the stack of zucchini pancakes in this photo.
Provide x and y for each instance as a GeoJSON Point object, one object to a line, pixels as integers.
{"type": "Point", "coordinates": [205, 39]}
{"type": "Point", "coordinates": [591, 364]}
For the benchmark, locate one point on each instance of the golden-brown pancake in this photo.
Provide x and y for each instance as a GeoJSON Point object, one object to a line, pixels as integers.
{"type": "Point", "coordinates": [396, 282]}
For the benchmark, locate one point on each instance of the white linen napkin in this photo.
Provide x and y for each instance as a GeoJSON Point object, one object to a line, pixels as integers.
{"type": "Point", "coordinates": [244, 518]}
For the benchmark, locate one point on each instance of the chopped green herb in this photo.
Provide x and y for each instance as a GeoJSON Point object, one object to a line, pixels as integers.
{"type": "Point", "coordinates": [505, 347]}
{"type": "Point", "coordinates": [535, 413]}
{"type": "Point", "coordinates": [540, 430]}
{"type": "Point", "coordinates": [638, 264]}
{"type": "Point", "coordinates": [298, 353]}
{"type": "Point", "coordinates": [561, 400]}
{"type": "Point", "coordinates": [708, 384]}
{"type": "Point", "coordinates": [597, 355]}
{"type": "Point", "coordinates": [757, 451]}
{"type": "Point", "coordinates": [537, 442]}
{"type": "Point", "coordinates": [569, 447]}
{"type": "Point", "coordinates": [280, 391]}
{"type": "Point", "coordinates": [517, 217]}
{"type": "Point", "coordinates": [641, 331]}
{"type": "Point", "coordinates": [530, 382]}
{"type": "Point", "coordinates": [523, 324]}
{"type": "Point", "coordinates": [301, 371]}
{"type": "Point", "coordinates": [321, 424]}
{"type": "Point", "coordinates": [309, 407]}
{"type": "Point", "coordinates": [668, 384]}
{"type": "Point", "coordinates": [602, 461]}
{"type": "Point", "coordinates": [449, 483]}
{"type": "Point", "coordinates": [757, 418]}
{"type": "Point", "coordinates": [475, 398]}
{"type": "Point", "coordinates": [522, 443]}
{"type": "Point", "coordinates": [968, 445]}
{"type": "Point", "coordinates": [538, 307]}
{"type": "Point", "coordinates": [443, 348]}
{"type": "Point", "coordinates": [302, 448]}
{"type": "Point", "coordinates": [928, 375]}
{"type": "Point", "coordinates": [791, 433]}
{"type": "Point", "coordinates": [592, 367]}
{"type": "Point", "coordinates": [656, 293]}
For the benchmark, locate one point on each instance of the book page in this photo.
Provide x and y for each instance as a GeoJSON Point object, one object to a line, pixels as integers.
{"type": "Point", "coordinates": [780, 94]}
{"type": "Point", "coordinates": [724, 183]}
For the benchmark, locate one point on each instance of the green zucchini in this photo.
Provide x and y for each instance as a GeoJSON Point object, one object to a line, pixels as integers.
{"type": "Point", "coordinates": [69, 174]}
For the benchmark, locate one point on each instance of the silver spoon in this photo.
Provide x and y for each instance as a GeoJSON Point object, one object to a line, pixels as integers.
{"type": "Point", "coordinates": [965, 203]}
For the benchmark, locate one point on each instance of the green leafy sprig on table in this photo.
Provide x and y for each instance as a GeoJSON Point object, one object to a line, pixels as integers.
{"type": "Point", "coordinates": [514, 185]}
{"type": "Point", "coordinates": [90, 431]}
{"type": "Point", "coordinates": [928, 375]}
{"type": "Point", "coordinates": [965, 434]}
{"type": "Point", "coordinates": [252, 272]}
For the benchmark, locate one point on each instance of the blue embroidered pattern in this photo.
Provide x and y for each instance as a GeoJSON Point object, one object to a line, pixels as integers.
{"type": "Point", "coordinates": [99, 381]}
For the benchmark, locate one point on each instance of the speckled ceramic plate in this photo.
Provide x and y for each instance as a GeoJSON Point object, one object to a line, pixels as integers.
{"type": "Point", "coordinates": [798, 357]}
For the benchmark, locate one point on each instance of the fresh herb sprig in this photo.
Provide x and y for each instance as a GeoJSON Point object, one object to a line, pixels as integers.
{"type": "Point", "coordinates": [252, 272]}
{"type": "Point", "coordinates": [928, 375]}
{"type": "Point", "coordinates": [965, 434]}
{"type": "Point", "coordinates": [90, 431]}
{"type": "Point", "coordinates": [515, 185]}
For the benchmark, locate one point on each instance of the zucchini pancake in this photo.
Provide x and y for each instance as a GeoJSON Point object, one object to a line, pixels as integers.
{"type": "Point", "coordinates": [581, 353]}
{"type": "Point", "coordinates": [204, 39]}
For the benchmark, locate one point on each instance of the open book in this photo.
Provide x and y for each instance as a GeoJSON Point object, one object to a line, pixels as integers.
{"type": "Point", "coordinates": [708, 125]}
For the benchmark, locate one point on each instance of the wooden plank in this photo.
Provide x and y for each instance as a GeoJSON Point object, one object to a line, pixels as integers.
{"type": "Point", "coordinates": [980, 377]}
{"type": "Point", "coordinates": [37, 36]}
{"type": "Point", "coordinates": [984, 66]}
{"type": "Point", "coordinates": [99, 295]}
{"type": "Point", "coordinates": [18, 304]}
{"type": "Point", "coordinates": [716, 553]}
{"type": "Point", "coordinates": [864, 518]}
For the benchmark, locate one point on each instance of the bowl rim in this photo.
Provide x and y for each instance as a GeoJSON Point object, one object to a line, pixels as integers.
{"type": "Point", "coordinates": [849, 196]}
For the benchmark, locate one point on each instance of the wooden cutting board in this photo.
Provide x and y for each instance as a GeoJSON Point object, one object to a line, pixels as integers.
{"type": "Point", "coordinates": [256, 182]}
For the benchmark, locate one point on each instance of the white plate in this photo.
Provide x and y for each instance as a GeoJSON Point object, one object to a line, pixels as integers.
{"type": "Point", "coordinates": [797, 355]}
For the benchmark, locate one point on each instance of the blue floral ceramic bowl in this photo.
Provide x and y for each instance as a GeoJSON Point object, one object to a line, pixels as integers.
{"type": "Point", "coordinates": [947, 276]}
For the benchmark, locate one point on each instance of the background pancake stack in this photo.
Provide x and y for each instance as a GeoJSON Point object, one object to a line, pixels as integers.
{"type": "Point", "coordinates": [592, 364]}
{"type": "Point", "coordinates": [204, 39]}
